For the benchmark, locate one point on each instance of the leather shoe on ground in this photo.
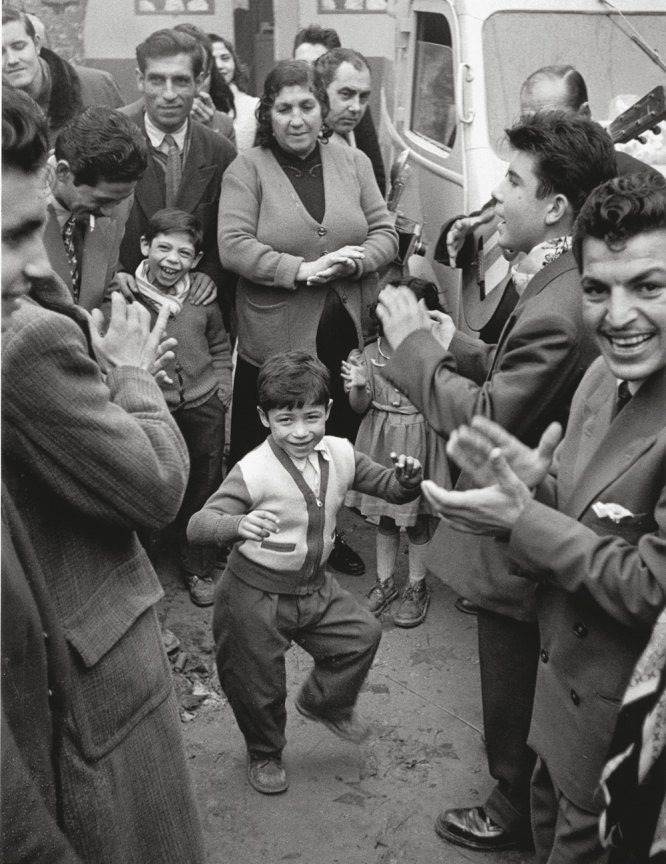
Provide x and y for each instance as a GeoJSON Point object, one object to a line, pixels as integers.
{"type": "Point", "coordinates": [350, 728]}
{"type": "Point", "coordinates": [381, 595]}
{"type": "Point", "coordinates": [462, 604]}
{"type": "Point", "coordinates": [413, 606]}
{"type": "Point", "coordinates": [473, 828]}
{"type": "Point", "coordinates": [201, 590]}
{"type": "Point", "coordinates": [344, 559]}
{"type": "Point", "coordinates": [267, 776]}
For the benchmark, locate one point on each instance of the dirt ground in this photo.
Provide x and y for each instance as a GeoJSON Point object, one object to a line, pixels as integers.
{"type": "Point", "coordinates": [347, 804]}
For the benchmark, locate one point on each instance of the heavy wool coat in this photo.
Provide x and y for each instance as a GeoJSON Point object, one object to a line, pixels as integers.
{"type": "Point", "coordinates": [604, 581]}
{"type": "Point", "coordinates": [265, 234]}
{"type": "Point", "coordinates": [525, 382]}
{"type": "Point", "coordinates": [88, 460]}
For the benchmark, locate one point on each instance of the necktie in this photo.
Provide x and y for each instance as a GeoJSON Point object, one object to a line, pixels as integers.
{"type": "Point", "coordinates": [173, 170]}
{"type": "Point", "coordinates": [69, 237]}
{"type": "Point", "coordinates": [623, 396]}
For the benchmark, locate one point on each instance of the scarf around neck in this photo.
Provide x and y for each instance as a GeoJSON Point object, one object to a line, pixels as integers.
{"type": "Point", "coordinates": [154, 298]}
{"type": "Point", "coordinates": [543, 254]}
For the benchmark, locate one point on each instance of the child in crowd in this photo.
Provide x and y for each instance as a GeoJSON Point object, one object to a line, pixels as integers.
{"type": "Point", "coordinates": [278, 505]}
{"type": "Point", "coordinates": [200, 388]}
{"type": "Point", "coordinates": [393, 424]}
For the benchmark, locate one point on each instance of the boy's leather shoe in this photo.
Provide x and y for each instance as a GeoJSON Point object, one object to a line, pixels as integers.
{"type": "Point", "coordinates": [350, 728]}
{"type": "Point", "coordinates": [344, 559]}
{"type": "Point", "coordinates": [201, 590]}
{"type": "Point", "coordinates": [267, 775]}
{"type": "Point", "coordinates": [473, 828]}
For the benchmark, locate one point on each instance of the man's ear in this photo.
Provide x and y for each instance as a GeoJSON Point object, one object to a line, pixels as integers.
{"type": "Point", "coordinates": [263, 417]}
{"type": "Point", "coordinates": [62, 170]}
{"type": "Point", "coordinates": [328, 408]}
{"type": "Point", "coordinates": [198, 83]}
{"type": "Point", "coordinates": [139, 79]}
{"type": "Point", "coordinates": [558, 209]}
{"type": "Point", "coordinates": [585, 111]}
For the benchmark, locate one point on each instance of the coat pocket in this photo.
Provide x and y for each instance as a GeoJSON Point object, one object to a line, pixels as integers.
{"type": "Point", "coordinates": [120, 672]}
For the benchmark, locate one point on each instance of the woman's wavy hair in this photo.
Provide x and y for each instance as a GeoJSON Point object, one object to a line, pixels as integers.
{"type": "Point", "coordinates": [241, 76]}
{"type": "Point", "coordinates": [288, 73]}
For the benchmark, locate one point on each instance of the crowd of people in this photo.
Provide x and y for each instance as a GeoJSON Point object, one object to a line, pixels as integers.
{"type": "Point", "coordinates": [201, 253]}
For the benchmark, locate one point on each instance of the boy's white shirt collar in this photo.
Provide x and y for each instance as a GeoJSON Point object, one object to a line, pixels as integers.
{"type": "Point", "coordinates": [312, 457]}
{"type": "Point", "coordinates": [156, 136]}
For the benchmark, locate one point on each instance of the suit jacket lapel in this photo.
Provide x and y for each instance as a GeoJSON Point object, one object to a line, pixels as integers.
{"type": "Point", "coordinates": [96, 259]}
{"type": "Point", "coordinates": [536, 285]}
{"type": "Point", "coordinates": [197, 173]}
{"type": "Point", "coordinates": [610, 447]}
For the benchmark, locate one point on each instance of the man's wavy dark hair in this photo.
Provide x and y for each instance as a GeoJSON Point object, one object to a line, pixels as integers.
{"type": "Point", "coordinates": [288, 73]}
{"type": "Point", "coordinates": [621, 209]}
{"type": "Point", "coordinates": [25, 140]}
{"type": "Point", "coordinates": [168, 43]}
{"type": "Point", "coordinates": [102, 144]}
{"type": "Point", "coordinates": [572, 154]}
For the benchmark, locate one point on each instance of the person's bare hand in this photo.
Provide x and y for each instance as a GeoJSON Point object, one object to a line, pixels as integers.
{"type": "Point", "coordinates": [335, 265]}
{"type": "Point", "coordinates": [203, 108]}
{"type": "Point", "coordinates": [258, 525]}
{"type": "Point", "coordinates": [442, 327]}
{"type": "Point", "coordinates": [407, 470]}
{"type": "Point", "coordinates": [471, 448]}
{"type": "Point", "coordinates": [124, 282]}
{"type": "Point", "coordinates": [203, 292]}
{"type": "Point", "coordinates": [353, 374]}
{"type": "Point", "coordinates": [166, 356]}
{"type": "Point", "coordinates": [492, 510]}
{"type": "Point", "coordinates": [462, 228]}
{"type": "Point", "coordinates": [401, 314]}
{"type": "Point", "coordinates": [129, 340]}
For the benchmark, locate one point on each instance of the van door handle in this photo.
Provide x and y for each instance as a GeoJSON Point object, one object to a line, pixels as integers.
{"type": "Point", "coordinates": [465, 76]}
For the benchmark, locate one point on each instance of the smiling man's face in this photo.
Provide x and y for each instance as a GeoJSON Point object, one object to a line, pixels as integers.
{"type": "Point", "coordinates": [624, 303]}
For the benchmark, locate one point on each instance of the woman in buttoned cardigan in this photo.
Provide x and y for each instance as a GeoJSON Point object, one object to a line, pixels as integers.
{"type": "Point", "coordinates": [287, 208]}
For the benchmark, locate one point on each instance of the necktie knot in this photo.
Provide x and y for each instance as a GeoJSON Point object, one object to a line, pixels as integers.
{"type": "Point", "coordinates": [623, 396]}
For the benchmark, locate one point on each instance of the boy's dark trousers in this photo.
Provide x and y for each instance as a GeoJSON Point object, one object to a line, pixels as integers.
{"type": "Point", "coordinates": [202, 428]}
{"type": "Point", "coordinates": [253, 630]}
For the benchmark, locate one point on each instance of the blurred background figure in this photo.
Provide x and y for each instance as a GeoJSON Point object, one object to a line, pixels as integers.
{"type": "Point", "coordinates": [244, 105]}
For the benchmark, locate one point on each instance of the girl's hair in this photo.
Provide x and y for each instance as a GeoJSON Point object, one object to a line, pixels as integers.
{"type": "Point", "coordinates": [241, 76]}
{"type": "Point", "coordinates": [421, 289]}
{"type": "Point", "coordinates": [288, 73]}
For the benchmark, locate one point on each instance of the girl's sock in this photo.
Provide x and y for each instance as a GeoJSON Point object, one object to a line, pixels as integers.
{"type": "Point", "coordinates": [417, 567]}
{"type": "Point", "coordinates": [387, 552]}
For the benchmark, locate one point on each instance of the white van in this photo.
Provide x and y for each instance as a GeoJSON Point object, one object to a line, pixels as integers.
{"type": "Point", "coordinates": [454, 86]}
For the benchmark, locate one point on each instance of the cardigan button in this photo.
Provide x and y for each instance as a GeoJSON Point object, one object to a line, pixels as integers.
{"type": "Point", "coordinates": [544, 656]}
{"type": "Point", "coordinates": [575, 698]}
{"type": "Point", "coordinates": [580, 630]}
{"type": "Point", "coordinates": [322, 231]}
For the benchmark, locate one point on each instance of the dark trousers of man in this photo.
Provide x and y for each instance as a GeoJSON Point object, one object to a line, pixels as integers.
{"type": "Point", "coordinates": [253, 630]}
{"type": "Point", "coordinates": [563, 832]}
{"type": "Point", "coordinates": [202, 428]}
{"type": "Point", "coordinates": [508, 660]}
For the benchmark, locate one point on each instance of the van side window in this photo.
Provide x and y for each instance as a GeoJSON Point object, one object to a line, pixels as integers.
{"type": "Point", "coordinates": [433, 100]}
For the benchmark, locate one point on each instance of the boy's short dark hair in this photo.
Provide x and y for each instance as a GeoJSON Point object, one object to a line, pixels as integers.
{"type": "Point", "coordinates": [572, 154]}
{"type": "Point", "coordinates": [170, 220]}
{"type": "Point", "coordinates": [621, 209]}
{"type": "Point", "coordinates": [100, 143]}
{"type": "Point", "coordinates": [291, 379]}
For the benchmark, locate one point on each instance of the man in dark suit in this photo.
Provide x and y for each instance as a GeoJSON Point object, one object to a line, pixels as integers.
{"type": "Point", "coordinates": [525, 382]}
{"type": "Point", "coordinates": [594, 535]}
{"type": "Point", "coordinates": [186, 160]}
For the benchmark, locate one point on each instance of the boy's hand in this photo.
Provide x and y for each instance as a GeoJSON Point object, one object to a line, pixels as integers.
{"type": "Point", "coordinates": [258, 525]}
{"type": "Point", "coordinates": [407, 470]}
{"type": "Point", "coordinates": [353, 375]}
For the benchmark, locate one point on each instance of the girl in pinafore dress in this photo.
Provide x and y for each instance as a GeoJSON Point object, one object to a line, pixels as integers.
{"type": "Point", "coordinates": [393, 425]}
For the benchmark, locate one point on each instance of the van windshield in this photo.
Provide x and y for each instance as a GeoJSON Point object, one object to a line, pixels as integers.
{"type": "Point", "coordinates": [598, 45]}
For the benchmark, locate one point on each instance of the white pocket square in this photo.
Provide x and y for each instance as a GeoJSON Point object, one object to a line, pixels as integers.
{"type": "Point", "coordinates": [614, 512]}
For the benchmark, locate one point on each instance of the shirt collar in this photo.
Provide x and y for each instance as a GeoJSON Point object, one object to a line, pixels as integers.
{"type": "Point", "coordinates": [156, 136]}
{"type": "Point", "coordinates": [312, 457]}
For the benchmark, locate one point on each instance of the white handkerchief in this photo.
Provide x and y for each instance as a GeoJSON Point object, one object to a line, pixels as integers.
{"type": "Point", "coordinates": [614, 512]}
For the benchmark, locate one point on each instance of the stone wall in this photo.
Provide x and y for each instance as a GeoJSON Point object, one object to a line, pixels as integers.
{"type": "Point", "coordinates": [64, 28]}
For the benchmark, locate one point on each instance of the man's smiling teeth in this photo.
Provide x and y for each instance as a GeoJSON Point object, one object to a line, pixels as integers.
{"type": "Point", "coordinates": [628, 341]}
